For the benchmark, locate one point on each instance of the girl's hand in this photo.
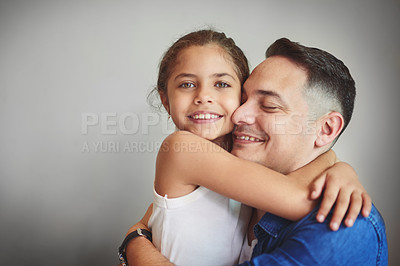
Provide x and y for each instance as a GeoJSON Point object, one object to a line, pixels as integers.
{"type": "Point", "coordinates": [342, 187]}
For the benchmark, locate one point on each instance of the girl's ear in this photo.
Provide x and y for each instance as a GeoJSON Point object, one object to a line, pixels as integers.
{"type": "Point", "coordinates": [330, 127]}
{"type": "Point", "coordinates": [164, 100]}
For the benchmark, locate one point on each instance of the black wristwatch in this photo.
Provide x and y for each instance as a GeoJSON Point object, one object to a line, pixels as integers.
{"type": "Point", "coordinates": [121, 252]}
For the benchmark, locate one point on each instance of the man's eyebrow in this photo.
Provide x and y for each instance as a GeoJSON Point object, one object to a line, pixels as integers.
{"type": "Point", "coordinates": [269, 93]}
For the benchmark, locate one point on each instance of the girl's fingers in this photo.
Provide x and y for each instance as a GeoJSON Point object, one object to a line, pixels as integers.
{"type": "Point", "coordinates": [354, 209]}
{"type": "Point", "coordinates": [318, 186]}
{"type": "Point", "coordinates": [329, 198]}
{"type": "Point", "coordinates": [342, 204]}
{"type": "Point", "coordinates": [367, 204]}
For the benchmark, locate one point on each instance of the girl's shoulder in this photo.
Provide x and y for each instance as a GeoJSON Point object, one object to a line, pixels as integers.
{"type": "Point", "coordinates": [184, 148]}
{"type": "Point", "coordinates": [172, 159]}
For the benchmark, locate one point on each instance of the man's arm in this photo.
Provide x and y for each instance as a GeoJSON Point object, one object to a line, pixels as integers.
{"type": "Point", "coordinates": [141, 251]}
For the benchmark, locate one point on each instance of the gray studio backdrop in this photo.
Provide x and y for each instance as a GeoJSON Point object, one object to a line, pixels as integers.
{"type": "Point", "coordinates": [78, 139]}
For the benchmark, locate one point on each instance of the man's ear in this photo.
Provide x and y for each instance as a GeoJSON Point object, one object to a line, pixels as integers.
{"type": "Point", "coordinates": [164, 101]}
{"type": "Point", "coordinates": [330, 127]}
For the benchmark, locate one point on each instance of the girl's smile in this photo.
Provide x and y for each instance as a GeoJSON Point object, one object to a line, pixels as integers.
{"type": "Point", "coordinates": [204, 117]}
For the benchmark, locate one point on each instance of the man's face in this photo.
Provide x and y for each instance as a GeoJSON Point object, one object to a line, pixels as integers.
{"type": "Point", "coordinates": [273, 127]}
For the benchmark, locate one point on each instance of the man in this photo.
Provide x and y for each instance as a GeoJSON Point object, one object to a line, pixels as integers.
{"type": "Point", "coordinates": [298, 102]}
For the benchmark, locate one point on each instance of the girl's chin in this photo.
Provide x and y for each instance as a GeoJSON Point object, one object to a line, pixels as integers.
{"type": "Point", "coordinates": [214, 134]}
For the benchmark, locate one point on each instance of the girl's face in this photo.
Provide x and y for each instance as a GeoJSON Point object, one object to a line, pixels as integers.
{"type": "Point", "coordinates": [203, 92]}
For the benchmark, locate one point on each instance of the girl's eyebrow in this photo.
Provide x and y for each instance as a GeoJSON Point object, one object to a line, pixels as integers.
{"type": "Point", "coordinates": [185, 75]}
{"type": "Point", "coordinates": [219, 75]}
{"type": "Point", "coordinates": [188, 75]}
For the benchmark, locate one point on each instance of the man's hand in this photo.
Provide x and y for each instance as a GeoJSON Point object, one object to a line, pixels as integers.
{"type": "Point", "coordinates": [341, 186]}
{"type": "Point", "coordinates": [141, 251]}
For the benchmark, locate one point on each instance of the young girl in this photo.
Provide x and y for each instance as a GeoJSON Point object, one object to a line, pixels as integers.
{"type": "Point", "coordinates": [194, 221]}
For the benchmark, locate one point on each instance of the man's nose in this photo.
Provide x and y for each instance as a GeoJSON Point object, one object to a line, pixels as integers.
{"type": "Point", "coordinates": [203, 96]}
{"type": "Point", "coordinates": [245, 114]}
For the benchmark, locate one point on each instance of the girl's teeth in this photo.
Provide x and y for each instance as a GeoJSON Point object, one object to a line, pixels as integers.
{"type": "Point", "coordinates": [205, 116]}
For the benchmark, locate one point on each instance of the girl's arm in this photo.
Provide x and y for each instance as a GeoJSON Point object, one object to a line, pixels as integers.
{"type": "Point", "coordinates": [186, 161]}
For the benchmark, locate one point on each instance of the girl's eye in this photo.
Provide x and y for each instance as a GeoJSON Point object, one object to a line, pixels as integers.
{"type": "Point", "coordinates": [222, 85]}
{"type": "Point", "coordinates": [186, 85]}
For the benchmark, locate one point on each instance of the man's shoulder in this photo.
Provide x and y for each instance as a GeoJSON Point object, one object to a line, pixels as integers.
{"type": "Point", "coordinates": [374, 222]}
{"type": "Point", "coordinates": [367, 237]}
{"type": "Point", "coordinates": [309, 242]}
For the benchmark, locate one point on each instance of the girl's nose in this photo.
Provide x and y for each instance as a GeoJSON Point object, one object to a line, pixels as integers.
{"type": "Point", "coordinates": [203, 96]}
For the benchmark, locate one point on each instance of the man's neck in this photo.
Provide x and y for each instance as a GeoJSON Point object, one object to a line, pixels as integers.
{"type": "Point", "coordinates": [258, 214]}
{"type": "Point", "coordinates": [255, 218]}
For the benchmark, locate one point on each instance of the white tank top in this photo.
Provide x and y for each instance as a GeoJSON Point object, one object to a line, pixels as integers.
{"type": "Point", "coordinates": [201, 228]}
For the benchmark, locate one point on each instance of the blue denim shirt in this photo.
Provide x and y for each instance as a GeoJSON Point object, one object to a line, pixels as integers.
{"type": "Point", "coordinates": [307, 242]}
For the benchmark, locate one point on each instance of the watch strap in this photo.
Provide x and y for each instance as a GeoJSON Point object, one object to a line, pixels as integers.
{"type": "Point", "coordinates": [122, 249]}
